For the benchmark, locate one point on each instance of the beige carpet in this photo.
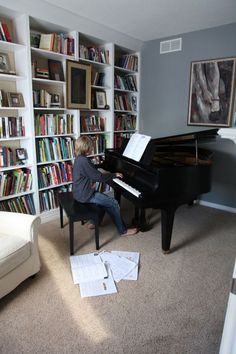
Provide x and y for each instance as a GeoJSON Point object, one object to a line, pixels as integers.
{"type": "Point", "coordinates": [177, 306]}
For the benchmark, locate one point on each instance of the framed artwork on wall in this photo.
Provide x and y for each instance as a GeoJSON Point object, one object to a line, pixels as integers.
{"type": "Point", "coordinates": [78, 84]}
{"type": "Point", "coordinates": [211, 92]}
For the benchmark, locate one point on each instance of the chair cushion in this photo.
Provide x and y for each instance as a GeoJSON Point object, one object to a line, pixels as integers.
{"type": "Point", "coordinates": [14, 250]}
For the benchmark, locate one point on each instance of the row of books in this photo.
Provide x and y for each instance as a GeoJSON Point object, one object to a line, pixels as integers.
{"type": "Point", "coordinates": [10, 157]}
{"type": "Point", "coordinates": [48, 199]}
{"type": "Point", "coordinates": [11, 127]}
{"type": "Point", "coordinates": [54, 174]}
{"type": "Point", "coordinates": [4, 32]}
{"type": "Point", "coordinates": [127, 82]}
{"type": "Point", "coordinates": [99, 144]}
{"type": "Point", "coordinates": [98, 79]}
{"type": "Point", "coordinates": [42, 98]}
{"type": "Point", "coordinates": [92, 123]}
{"type": "Point", "coordinates": [24, 205]}
{"type": "Point", "coordinates": [51, 149]}
{"type": "Point", "coordinates": [54, 124]}
{"type": "Point", "coordinates": [120, 139]}
{"type": "Point", "coordinates": [125, 122]}
{"type": "Point", "coordinates": [16, 181]}
{"type": "Point", "coordinates": [59, 43]}
{"type": "Point", "coordinates": [128, 61]}
{"type": "Point", "coordinates": [98, 54]}
{"type": "Point", "coordinates": [125, 102]}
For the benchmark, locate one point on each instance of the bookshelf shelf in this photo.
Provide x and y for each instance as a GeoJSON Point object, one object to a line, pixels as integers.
{"type": "Point", "coordinates": [49, 82]}
{"type": "Point", "coordinates": [52, 161]}
{"type": "Point", "coordinates": [10, 46]}
{"type": "Point", "coordinates": [8, 77]}
{"type": "Point", "coordinates": [52, 186]}
{"type": "Point", "coordinates": [12, 196]}
{"type": "Point", "coordinates": [51, 55]}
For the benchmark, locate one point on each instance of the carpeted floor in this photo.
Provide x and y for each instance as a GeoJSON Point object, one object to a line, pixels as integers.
{"type": "Point", "coordinates": [177, 306]}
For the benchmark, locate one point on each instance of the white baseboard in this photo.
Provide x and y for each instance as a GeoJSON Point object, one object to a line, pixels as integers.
{"type": "Point", "coordinates": [217, 206]}
{"type": "Point", "coordinates": [49, 215]}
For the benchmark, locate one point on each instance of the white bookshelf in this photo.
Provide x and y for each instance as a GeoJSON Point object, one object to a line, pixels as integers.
{"type": "Point", "coordinates": [103, 68]}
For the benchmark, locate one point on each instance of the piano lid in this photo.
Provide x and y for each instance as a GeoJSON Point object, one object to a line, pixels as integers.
{"type": "Point", "coordinates": [203, 135]}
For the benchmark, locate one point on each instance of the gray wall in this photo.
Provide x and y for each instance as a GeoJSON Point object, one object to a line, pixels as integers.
{"type": "Point", "coordinates": [164, 100]}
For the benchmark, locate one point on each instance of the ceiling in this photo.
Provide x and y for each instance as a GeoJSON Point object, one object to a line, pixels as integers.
{"type": "Point", "coordinates": [152, 19]}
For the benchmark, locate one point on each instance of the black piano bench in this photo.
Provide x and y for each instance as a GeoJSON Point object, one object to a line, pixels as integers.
{"type": "Point", "coordinates": [76, 211]}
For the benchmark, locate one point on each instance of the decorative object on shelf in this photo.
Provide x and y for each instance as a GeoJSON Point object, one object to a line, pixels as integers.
{"type": "Point", "coordinates": [78, 85]}
{"type": "Point", "coordinates": [211, 92]}
{"type": "Point", "coordinates": [41, 73]}
{"type": "Point", "coordinates": [5, 67]}
{"type": "Point", "coordinates": [55, 70]}
{"type": "Point", "coordinates": [15, 99]}
{"type": "Point", "coordinates": [21, 155]}
{"type": "Point", "coordinates": [55, 100]}
{"type": "Point", "coordinates": [1, 98]}
{"type": "Point", "coordinates": [101, 99]}
{"type": "Point", "coordinates": [34, 39]}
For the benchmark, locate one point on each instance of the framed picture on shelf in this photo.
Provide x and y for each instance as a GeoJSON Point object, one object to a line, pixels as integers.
{"type": "Point", "coordinates": [101, 99]}
{"type": "Point", "coordinates": [78, 85]}
{"type": "Point", "coordinates": [211, 92]}
{"type": "Point", "coordinates": [55, 70]}
{"type": "Point", "coordinates": [5, 67]}
{"type": "Point", "coordinates": [21, 155]}
{"type": "Point", "coordinates": [15, 99]}
{"type": "Point", "coordinates": [55, 100]}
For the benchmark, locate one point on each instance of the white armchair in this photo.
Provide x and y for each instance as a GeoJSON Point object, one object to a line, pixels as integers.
{"type": "Point", "coordinates": [19, 256]}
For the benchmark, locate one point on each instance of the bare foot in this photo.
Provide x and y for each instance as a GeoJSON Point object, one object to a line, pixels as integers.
{"type": "Point", "coordinates": [130, 232]}
{"type": "Point", "coordinates": [90, 226]}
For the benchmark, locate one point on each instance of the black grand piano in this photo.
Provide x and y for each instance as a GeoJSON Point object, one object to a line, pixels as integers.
{"type": "Point", "coordinates": [172, 171]}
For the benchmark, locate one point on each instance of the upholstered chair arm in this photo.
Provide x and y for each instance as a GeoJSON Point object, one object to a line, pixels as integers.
{"type": "Point", "coordinates": [23, 225]}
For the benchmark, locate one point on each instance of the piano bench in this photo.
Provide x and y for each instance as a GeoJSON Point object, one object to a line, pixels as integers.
{"type": "Point", "coordinates": [76, 211]}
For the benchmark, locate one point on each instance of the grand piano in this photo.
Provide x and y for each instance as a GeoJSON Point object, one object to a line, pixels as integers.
{"type": "Point", "coordinates": [172, 171]}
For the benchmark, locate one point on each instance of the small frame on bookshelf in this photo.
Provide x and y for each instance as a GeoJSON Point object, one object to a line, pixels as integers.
{"type": "Point", "coordinates": [21, 155]}
{"type": "Point", "coordinates": [55, 100]}
{"type": "Point", "coordinates": [5, 67]}
{"type": "Point", "coordinates": [101, 100]}
{"type": "Point", "coordinates": [78, 85]}
{"type": "Point", "coordinates": [55, 70]}
{"type": "Point", "coordinates": [15, 99]}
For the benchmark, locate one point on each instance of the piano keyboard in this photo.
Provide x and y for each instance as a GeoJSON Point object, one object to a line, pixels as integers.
{"type": "Point", "coordinates": [127, 187]}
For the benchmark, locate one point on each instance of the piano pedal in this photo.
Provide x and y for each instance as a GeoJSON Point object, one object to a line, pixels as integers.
{"type": "Point", "coordinates": [142, 227]}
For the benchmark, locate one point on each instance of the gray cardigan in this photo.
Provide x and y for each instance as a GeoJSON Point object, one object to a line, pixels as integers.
{"type": "Point", "coordinates": [84, 175]}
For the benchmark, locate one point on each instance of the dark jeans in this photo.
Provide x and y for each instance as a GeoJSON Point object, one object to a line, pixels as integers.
{"type": "Point", "coordinates": [111, 206]}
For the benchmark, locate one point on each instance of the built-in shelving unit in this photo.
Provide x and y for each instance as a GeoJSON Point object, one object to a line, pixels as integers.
{"type": "Point", "coordinates": [37, 121]}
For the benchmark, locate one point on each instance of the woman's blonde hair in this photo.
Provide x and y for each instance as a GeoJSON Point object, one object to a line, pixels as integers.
{"type": "Point", "coordinates": [83, 145]}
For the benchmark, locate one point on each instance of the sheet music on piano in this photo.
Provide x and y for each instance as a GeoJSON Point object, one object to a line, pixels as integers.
{"type": "Point", "coordinates": [136, 146]}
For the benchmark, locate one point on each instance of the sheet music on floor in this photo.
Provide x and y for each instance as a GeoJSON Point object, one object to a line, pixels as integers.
{"type": "Point", "coordinates": [99, 287]}
{"type": "Point", "coordinates": [87, 267]}
{"type": "Point", "coordinates": [134, 257]}
{"type": "Point", "coordinates": [120, 266]}
{"type": "Point", "coordinates": [96, 273]}
{"type": "Point", "coordinates": [136, 146]}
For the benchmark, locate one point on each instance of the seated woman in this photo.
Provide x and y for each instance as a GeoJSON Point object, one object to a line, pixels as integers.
{"type": "Point", "coordinates": [85, 176]}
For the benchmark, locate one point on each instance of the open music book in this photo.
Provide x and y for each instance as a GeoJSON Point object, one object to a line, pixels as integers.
{"type": "Point", "coordinates": [136, 146]}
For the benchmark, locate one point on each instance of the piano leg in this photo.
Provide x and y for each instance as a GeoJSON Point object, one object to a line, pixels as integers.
{"type": "Point", "coordinates": [167, 221]}
{"type": "Point", "coordinates": [139, 219]}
